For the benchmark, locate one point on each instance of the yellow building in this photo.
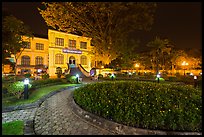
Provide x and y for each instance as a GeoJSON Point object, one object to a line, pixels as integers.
{"type": "Point", "coordinates": [34, 57]}
{"type": "Point", "coordinates": [68, 51]}
{"type": "Point", "coordinates": [58, 50]}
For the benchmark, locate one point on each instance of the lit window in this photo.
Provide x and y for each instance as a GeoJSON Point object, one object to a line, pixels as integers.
{"type": "Point", "coordinates": [83, 60]}
{"type": "Point", "coordinates": [25, 60]}
{"type": "Point", "coordinates": [72, 43]}
{"type": "Point", "coordinates": [59, 41]}
{"type": "Point", "coordinates": [38, 60]}
{"type": "Point", "coordinates": [83, 45]}
{"type": "Point", "coordinates": [39, 46]}
{"type": "Point", "coordinates": [59, 59]}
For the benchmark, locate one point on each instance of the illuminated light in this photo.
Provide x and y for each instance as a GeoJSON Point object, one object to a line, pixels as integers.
{"type": "Point", "coordinates": [112, 75]}
{"type": "Point", "coordinates": [200, 73]}
{"type": "Point", "coordinates": [136, 65]}
{"type": "Point", "coordinates": [26, 81]}
{"type": "Point", "coordinates": [129, 73]}
{"type": "Point", "coordinates": [191, 74]}
{"type": "Point", "coordinates": [145, 72]}
{"type": "Point", "coordinates": [184, 63]}
{"type": "Point", "coordinates": [158, 76]}
{"type": "Point", "coordinates": [39, 70]}
{"type": "Point", "coordinates": [102, 66]}
{"type": "Point", "coordinates": [195, 77]}
{"type": "Point", "coordinates": [77, 75]}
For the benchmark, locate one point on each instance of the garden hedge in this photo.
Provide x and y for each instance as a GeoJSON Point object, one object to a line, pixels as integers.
{"type": "Point", "coordinates": [144, 104]}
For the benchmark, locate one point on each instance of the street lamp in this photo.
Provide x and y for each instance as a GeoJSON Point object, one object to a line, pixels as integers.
{"type": "Point", "coordinates": [184, 64]}
{"type": "Point", "coordinates": [26, 82]}
{"type": "Point", "coordinates": [77, 78]}
{"type": "Point", "coordinates": [195, 81]}
{"type": "Point", "coordinates": [158, 76]}
{"type": "Point", "coordinates": [112, 76]}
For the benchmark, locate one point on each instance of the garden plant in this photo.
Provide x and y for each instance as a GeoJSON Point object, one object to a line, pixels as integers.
{"type": "Point", "coordinates": [148, 105]}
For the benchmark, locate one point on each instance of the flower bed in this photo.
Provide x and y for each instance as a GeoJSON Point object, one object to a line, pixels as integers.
{"type": "Point", "coordinates": [144, 104]}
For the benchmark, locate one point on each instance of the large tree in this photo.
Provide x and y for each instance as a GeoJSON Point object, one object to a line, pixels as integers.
{"type": "Point", "coordinates": [107, 23]}
{"type": "Point", "coordinates": [13, 43]}
{"type": "Point", "coordinates": [160, 49]}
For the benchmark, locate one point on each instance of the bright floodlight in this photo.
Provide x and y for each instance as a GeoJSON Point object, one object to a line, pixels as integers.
{"type": "Point", "coordinates": [26, 81]}
{"type": "Point", "coordinates": [158, 76]}
{"type": "Point", "coordinates": [191, 74]}
{"type": "Point", "coordinates": [195, 77]}
{"type": "Point", "coordinates": [77, 75]}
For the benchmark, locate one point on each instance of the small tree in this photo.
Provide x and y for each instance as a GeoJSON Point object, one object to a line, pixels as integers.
{"type": "Point", "coordinates": [13, 43]}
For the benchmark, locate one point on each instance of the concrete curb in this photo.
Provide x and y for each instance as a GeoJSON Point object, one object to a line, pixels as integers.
{"type": "Point", "coordinates": [116, 127]}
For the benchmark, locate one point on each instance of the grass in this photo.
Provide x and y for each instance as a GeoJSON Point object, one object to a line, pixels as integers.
{"type": "Point", "coordinates": [13, 128]}
{"type": "Point", "coordinates": [34, 96]}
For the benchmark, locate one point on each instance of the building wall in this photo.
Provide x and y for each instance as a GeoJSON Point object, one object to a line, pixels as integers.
{"type": "Point", "coordinates": [51, 49]}
{"type": "Point", "coordinates": [33, 53]}
{"type": "Point", "coordinates": [56, 49]}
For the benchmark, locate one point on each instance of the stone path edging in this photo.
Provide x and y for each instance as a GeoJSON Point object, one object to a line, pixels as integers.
{"type": "Point", "coordinates": [116, 127]}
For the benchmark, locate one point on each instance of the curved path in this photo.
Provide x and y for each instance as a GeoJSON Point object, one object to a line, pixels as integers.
{"type": "Point", "coordinates": [54, 117]}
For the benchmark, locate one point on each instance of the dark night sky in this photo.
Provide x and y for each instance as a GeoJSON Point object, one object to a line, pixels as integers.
{"type": "Point", "coordinates": [180, 22]}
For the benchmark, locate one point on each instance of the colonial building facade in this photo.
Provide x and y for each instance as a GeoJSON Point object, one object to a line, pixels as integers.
{"type": "Point", "coordinates": [59, 50]}
{"type": "Point", "coordinates": [68, 50]}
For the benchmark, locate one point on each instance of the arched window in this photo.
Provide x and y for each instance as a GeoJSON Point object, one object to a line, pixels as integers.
{"type": "Point", "coordinates": [38, 60]}
{"type": "Point", "coordinates": [83, 60]}
{"type": "Point", "coordinates": [25, 60]}
{"type": "Point", "coordinates": [59, 59]}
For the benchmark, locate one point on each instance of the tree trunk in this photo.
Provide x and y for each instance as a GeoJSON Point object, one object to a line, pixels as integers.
{"type": "Point", "coordinates": [15, 78]}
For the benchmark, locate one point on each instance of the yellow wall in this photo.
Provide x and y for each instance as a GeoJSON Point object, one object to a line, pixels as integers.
{"type": "Point", "coordinates": [51, 49]}
{"type": "Point", "coordinates": [33, 53]}
{"type": "Point", "coordinates": [55, 49]}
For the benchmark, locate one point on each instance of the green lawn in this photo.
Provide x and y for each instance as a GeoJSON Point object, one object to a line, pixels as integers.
{"type": "Point", "coordinates": [34, 96]}
{"type": "Point", "coordinates": [13, 128]}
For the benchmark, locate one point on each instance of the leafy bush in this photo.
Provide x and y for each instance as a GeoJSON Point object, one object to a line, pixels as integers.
{"type": "Point", "coordinates": [16, 88]}
{"type": "Point", "coordinates": [44, 82]}
{"type": "Point", "coordinates": [45, 76]}
{"type": "Point", "coordinates": [144, 104]}
{"type": "Point", "coordinates": [27, 75]}
{"type": "Point", "coordinates": [100, 76]}
{"type": "Point", "coordinates": [172, 78]}
{"type": "Point", "coordinates": [71, 79]}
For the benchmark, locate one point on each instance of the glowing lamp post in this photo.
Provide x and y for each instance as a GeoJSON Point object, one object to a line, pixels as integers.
{"type": "Point", "coordinates": [195, 81]}
{"type": "Point", "coordinates": [184, 64]}
{"type": "Point", "coordinates": [77, 78]}
{"type": "Point", "coordinates": [112, 76]}
{"type": "Point", "coordinates": [26, 82]}
{"type": "Point", "coordinates": [158, 76]}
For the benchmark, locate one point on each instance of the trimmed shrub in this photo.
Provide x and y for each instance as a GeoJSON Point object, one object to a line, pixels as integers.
{"type": "Point", "coordinates": [71, 79]}
{"type": "Point", "coordinates": [172, 78]}
{"type": "Point", "coordinates": [45, 76]}
{"type": "Point", "coordinates": [44, 82]}
{"type": "Point", "coordinates": [27, 75]}
{"type": "Point", "coordinates": [144, 104]}
{"type": "Point", "coordinates": [16, 88]}
{"type": "Point", "coordinates": [100, 76]}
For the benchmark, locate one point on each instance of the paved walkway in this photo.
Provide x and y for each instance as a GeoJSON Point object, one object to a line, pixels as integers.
{"type": "Point", "coordinates": [24, 115]}
{"type": "Point", "coordinates": [54, 117]}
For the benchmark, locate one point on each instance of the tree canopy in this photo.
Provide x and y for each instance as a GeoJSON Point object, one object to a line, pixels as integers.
{"type": "Point", "coordinates": [13, 31]}
{"type": "Point", "coordinates": [107, 23]}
